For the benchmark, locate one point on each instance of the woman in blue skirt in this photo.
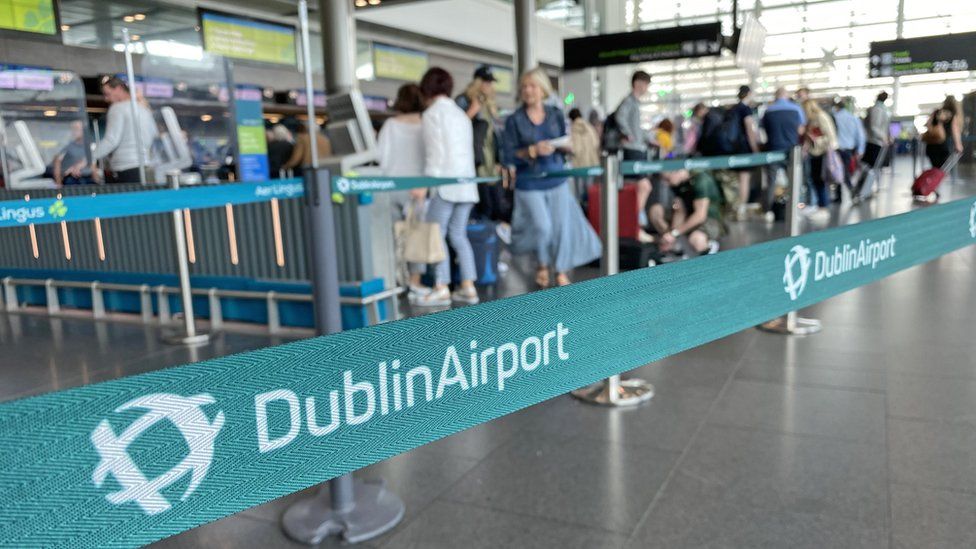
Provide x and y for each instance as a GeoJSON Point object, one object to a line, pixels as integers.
{"type": "Point", "coordinates": [547, 221]}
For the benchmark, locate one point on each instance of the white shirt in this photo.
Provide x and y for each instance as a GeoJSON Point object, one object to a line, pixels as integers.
{"type": "Point", "coordinates": [401, 148]}
{"type": "Point", "coordinates": [119, 140]}
{"type": "Point", "coordinates": [449, 149]}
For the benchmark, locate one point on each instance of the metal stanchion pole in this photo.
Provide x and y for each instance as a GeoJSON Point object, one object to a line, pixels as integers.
{"type": "Point", "coordinates": [613, 391]}
{"type": "Point", "coordinates": [136, 127]}
{"type": "Point", "coordinates": [791, 323]}
{"type": "Point", "coordinates": [189, 336]}
{"type": "Point", "coordinates": [352, 508]}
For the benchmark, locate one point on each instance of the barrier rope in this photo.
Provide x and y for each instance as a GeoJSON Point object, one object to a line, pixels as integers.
{"type": "Point", "coordinates": [130, 461]}
{"type": "Point", "coordinates": [40, 211]}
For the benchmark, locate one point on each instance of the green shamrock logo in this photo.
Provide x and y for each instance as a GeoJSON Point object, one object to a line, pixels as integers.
{"type": "Point", "coordinates": [58, 209]}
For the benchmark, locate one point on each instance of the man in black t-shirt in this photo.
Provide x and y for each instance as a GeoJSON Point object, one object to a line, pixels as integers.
{"type": "Point", "coordinates": [748, 144]}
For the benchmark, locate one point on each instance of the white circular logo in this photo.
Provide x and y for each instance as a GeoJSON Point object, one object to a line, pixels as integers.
{"type": "Point", "coordinates": [187, 416]}
{"type": "Point", "coordinates": [343, 185]}
{"type": "Point", "coordinates": [972, 220]}
{"type": "Point", "coordinates": [797, 269]}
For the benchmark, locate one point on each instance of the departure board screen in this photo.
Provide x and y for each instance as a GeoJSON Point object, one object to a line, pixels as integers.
{"type": "Point", "coordinates": [925, 55]}
{"type": "Point", "coordinates": [639, 46]}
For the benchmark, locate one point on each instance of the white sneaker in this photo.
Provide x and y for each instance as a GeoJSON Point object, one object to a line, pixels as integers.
{"type": "Point", "coordinates": [741, 213]}
{"type": "Point", "coordinates": [440, 297]}
{"type": "Point", "coordinates": [466, 296]}
{"type": "Point", "coordinates": [644, 237]}
{"type": "Point", "coordinates": [504, 232]}
{"type": "Point", "coordinates": [770, 217]}
{"type": "Point", "coordinates": [810, 210]}
{"type": "Point", "coordinates": [713, 247]}
{"type": "Point", "coordinates": [502, 267]}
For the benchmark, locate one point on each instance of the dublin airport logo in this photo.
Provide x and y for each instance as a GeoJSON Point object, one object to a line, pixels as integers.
{"type": "Point", "coordinates": [972, 220]}
{"type": "Point", "coordinates": [187, 415]}
{"type": "Point", "coordinates": [797, 271]}
{"type": "Point", "coordinates": [342, 185]}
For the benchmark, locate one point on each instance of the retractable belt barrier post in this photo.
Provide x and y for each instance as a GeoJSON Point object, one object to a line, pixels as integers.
{"type": "Point", "coordinates": [189, 335]}
{"type": "Point", "coordinates": [791, 323]}
{"type": "Point", "coordinates": [133, 460]}
{"type": "Point", "coordinates": [613, 391]}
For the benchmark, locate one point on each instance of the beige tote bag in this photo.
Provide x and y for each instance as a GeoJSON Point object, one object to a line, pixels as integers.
{"type": "Point", "coordinates": [419, 241]}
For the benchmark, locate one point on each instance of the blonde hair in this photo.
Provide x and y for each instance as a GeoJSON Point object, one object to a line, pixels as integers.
{"type": "Point", "coordinates": [812, 109]}
{"type": "Point", "coordinates": [541, 79]}
{"type": "Point", "coordinates": [473, 91]}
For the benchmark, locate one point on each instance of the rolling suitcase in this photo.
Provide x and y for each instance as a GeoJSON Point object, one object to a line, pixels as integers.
{"type": "Point", "coordinates": [928, 182]}
{"type": "Point", "coordinates": [485, 244]}
{"type": "Point", "coordinates": [626, 210]}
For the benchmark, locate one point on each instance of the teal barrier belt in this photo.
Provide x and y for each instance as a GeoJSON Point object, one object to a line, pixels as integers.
{"type": "Point", "coordinates": [39, 211]}
{"type": "Point", "coordinates": [130, 461]}
{"type": "Point", "coordinates": [368, 184]}
{"type": "Point", "coordinates": [642, 167]}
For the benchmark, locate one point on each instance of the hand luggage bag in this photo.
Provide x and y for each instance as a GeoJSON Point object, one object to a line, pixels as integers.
{"type": "Point", "coordinates": [485, 244]}
{"type": "Point", "coordinates": [627, 209]}
{"type": "Point", "coordinates": [928, 182]}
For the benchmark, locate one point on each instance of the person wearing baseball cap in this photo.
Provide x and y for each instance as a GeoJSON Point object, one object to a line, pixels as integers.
{"type": "Point", "coordinates": [478, 102]}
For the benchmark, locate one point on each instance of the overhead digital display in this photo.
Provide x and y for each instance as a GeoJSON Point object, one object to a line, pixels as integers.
{"type": "Point", "coordinates": [36, 16]}
{"type": "Point", "coordinates": [640, 46]}
{"type": "Point", "coordinates": [925, 55]}
{"type": "Point", "coordinates": [398, 63]}
{"type": "Point", "coordinates": [248, 39]}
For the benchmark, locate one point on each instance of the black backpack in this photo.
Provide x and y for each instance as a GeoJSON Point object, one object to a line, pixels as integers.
{"type": "Point", "coordinates": [610, 140]}
{"type": "Point", "coordinates": [708, 140]}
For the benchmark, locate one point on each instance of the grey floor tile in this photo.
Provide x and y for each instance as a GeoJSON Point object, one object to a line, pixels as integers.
{"type": "Point", "coordinates": [667, 421]}
{"type": "Point", "coordinates": [848, 415]}
{"type": "Point", "coordinates": [787, 473]}
{"type": "Point", "coordinates": [934, 519]}
{"type": "Point", "coordinates": [687, 516]}
{"type": "Point", "coordinates": [944, 399]}
{"type": "Point", "coordinates": [772, 372]}
{"type": "Point", "coordinates": [689, 370]}
{"type": "Point", "coordinates": [937, 455]}
{"type": "Point", "coordinates": [585, 481]}
{"type": "Point", "coordinates": [449, 525]}
{"type": "Point", "coordinates": [241, 531]}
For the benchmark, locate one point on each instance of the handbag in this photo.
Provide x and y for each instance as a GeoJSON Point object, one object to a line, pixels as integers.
{"type": "Point", "coordinates": [419, 241]}
{"type": "Point", "coordinates": [833, 167]}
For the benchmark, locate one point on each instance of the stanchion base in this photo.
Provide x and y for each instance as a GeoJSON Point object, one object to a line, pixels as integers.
{"type": "Point", "coordinates": [376, 511]}
{"type": "Point", "coordinates": [180, 338]}
{"type": "Point", "coordinates": [804, 326]}
{"type": "Point", "coordinates": [630, 392]}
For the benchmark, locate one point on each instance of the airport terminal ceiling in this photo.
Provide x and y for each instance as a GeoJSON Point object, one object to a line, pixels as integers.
{"type": "Point", "coordinates": [822, 44]}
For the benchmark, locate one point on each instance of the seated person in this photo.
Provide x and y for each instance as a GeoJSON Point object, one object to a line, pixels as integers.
{"type": "Point", "coordinates": [71, 164]}
{"type": "Point", "coordinates": [696, 212]}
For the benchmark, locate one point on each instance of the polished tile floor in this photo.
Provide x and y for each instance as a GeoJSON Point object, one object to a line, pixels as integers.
{"type": "Point", "coordinates": [861, 436]}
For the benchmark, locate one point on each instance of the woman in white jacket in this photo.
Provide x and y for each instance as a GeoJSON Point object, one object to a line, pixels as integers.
{"type": "Point", "coordinates": [449, 152]}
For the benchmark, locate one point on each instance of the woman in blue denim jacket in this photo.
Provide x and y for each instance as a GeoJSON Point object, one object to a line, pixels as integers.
{"type": "Point", "coordinates": [547, 220]}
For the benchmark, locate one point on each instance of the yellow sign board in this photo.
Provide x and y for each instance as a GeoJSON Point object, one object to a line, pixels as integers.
{"type": "Point", "coordinates": [248, 39]}
{"type": "Point", "coordinates": [28, 16]}
{"type": "Point", "coordinates": [399, 63]}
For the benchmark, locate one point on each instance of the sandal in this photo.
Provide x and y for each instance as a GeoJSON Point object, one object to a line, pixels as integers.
{"type": "Point", "coordinates": [542, 277]}
{"type": "Point", "coordinates": [562, 279]}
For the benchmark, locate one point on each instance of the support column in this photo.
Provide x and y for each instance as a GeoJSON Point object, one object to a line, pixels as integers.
{"type": "Point", "coordinates": [525, 36]}
{"type": "Point", "coordinates": [899, 33]}
{"type": "Point", "coordinates": [339, 45]}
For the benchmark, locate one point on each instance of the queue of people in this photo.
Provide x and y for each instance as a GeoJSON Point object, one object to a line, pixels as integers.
{"type": "Point", "coordinates": [436, 136]}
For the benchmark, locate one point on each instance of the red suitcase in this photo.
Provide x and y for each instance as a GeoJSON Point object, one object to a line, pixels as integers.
{"type": "Point", "coordinates": [928, 182]}
{"type": "Point", "coordinates": [626, 210]}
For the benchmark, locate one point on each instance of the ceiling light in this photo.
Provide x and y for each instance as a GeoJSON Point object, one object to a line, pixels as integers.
{"type": "Point", "coordinates": [139, 16]}
{"type": "Point", "coordinates": [65, 28]}
{"type": "Point", "coordinates": [374, 2]}
{"type": "Point", "coordinates": [360, 3]}
{"type": "Point", "coordinates": [135, 37]}
{"type": "Point", "coordinates": [128, 19]}
{"type": "Point", "coordinates": [206, 118]}
{"type": "Point", "coordinates": [50, 113]}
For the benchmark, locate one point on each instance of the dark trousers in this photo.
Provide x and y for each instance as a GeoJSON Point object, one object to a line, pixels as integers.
{"type": "Point", "coordinates": [870, 158]}
{"type": "Point", "coordinates": [846, 155]}
{"type": "Point", "coordinates": [819, 185]}
{"type": "Point", "coordinates": [124, 176]}
{"type": "Point", "coordinates": [938, 154]}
